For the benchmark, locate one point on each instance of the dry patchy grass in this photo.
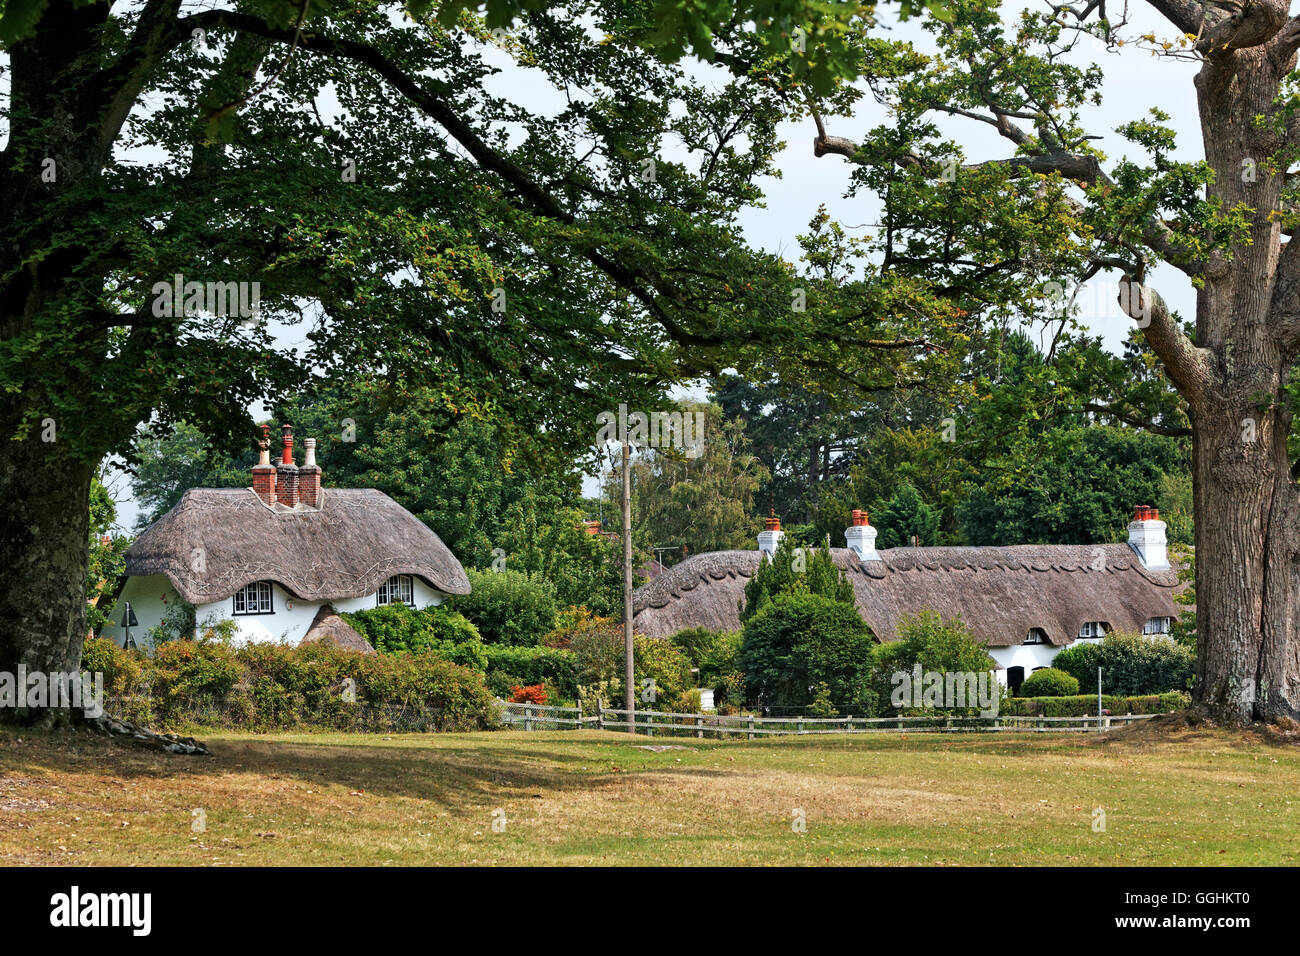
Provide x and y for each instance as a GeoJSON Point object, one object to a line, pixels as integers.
{"type": "Point", "coordinates": [1178, 797]}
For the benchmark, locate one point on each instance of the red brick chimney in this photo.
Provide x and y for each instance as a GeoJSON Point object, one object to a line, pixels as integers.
{"type": "Point", "coordinates": [286, 473]}
{"type": "Point", "coordinates": [309, 475]}
{"type": "Point", "coordinates": [264, 471]}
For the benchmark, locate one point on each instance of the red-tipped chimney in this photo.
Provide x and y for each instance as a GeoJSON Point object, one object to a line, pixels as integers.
{"type": "Point", "coordinates": [859, 517]}
{"type": "Point", "coordinates": [309, 475]}
{"type": "Point", "coordinates": [772, 522]}
{"type": "Point", "coordinates": [286, 473]}
{"type": "Point", "coordinates": [264, 471]}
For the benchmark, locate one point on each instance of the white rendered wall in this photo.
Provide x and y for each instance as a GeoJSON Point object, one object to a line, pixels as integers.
{"type": "Point", "coordinates": [289, 621]}
{"type": "Point", "coordinates": [1028, 656]}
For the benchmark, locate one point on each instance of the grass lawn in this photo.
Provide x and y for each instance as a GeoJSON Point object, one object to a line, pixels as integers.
{"type": "Point", "coordinates": [1177, 796]}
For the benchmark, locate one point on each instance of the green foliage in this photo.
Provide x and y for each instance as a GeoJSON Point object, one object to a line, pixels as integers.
{"type": "Point", "coordinates": [1130, 664]}
{"type": "Point", "coordinates": [265, 686]}
{"type": "Point", "coordinates": [169, 462]}
{"type": "Point", "coordinates": [509, 607]}
{"type": "Point", "coordinates": [661, 671]}
{"type": "Point", "coordinates": [935, 644]}
{"type": "Point", "coordinates": [903, 516]}
{"type": "Point", "coordinates": [1085, 705]}
{"type": "Point", "coordinates": [555, 668]}
{"type": "Point", "coordinates": [795, 570]}
{"type": "Point", "coordinates": [713, 653]}
{"type": "Point", "coordinates": [801, 640]}
{"type": "Point", "coordinates": [1049, 682]}
{"type": "Point", "coordinates": [1070, 485]}
{"type": "Point", "coordinates": [178, 624]}
{"type": "Point", "coordinates": [693, 504]}
{"type": "Point", "coordinates": [106, 560]}
{"type": "Point", "coordinates": [398, 629]}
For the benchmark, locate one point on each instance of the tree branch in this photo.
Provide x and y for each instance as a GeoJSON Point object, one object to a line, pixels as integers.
{"type": "Point", "coordinates": [1188, 366]}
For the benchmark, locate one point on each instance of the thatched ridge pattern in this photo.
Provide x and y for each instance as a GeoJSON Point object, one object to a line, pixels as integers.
{"type": "Point", "coordinates": [1000, 593]}
{"type": "Point", "coordinates": [216, 540]}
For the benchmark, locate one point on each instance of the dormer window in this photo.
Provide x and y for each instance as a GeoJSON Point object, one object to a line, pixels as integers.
{"type": "Point", "coordinates": [254, 598]}
{"type": "Point", "coordinates": [1092, 629]}
{"type": "Point", "coordinates": [397, 590]}
{"type": "Point", "coordinates": [1036, 635]}
{"type": "Point", "coordinates": [1158, 625]}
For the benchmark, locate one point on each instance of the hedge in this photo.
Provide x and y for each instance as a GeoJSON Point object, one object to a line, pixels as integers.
{"type": "Point", "coordinates": [190, 684]}
{"type": "Point", "coordinates": [1085, 705]}
{"type": "Point", "coordinates": [508, 667]}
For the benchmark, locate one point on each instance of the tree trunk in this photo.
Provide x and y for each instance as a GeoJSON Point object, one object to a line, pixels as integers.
{"type": "Point", "coordinates": [1246, 503]}
{"type": "Point", "coordinates": [43, 551]}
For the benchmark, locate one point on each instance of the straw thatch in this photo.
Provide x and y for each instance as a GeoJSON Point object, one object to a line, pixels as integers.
{"type": "Point", "coordinates": [1000, 593]}
{"type": "Point", "coordinates": [328, 628]}
{"type": "Point", "coordinates": [216, 540]}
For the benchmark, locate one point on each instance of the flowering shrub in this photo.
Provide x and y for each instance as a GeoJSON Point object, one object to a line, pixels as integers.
{"type": "Point", "coordinates": [533, 694]}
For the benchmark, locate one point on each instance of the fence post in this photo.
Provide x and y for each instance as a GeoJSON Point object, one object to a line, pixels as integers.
{"type": "Point", "coordinates": [528, 716]}
{"type": "Point", "coordinates": [750, 735]}
{"type": "Point", "coordinates": [798, 725]}
{"type": "Point", "coordinates": [649, 726]}
{"type": "Point", "coordinates": [600, 714]}
{"type": "Point", "coordinates": [848, 724]}
{"type": "Point", "coordinates": [699, 722]}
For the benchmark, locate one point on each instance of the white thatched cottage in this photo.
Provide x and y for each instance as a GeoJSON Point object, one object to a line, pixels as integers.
{"type": "Point", "coordinates": [282, 557]}
{"type": "Point", "coordinates": [1025, 603]}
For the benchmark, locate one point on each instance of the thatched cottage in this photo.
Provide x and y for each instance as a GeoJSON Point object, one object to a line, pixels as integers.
{"type": "Point", "coordinates": [1025, 603]}
{"type": "Point", "coordinates": [283, 557]}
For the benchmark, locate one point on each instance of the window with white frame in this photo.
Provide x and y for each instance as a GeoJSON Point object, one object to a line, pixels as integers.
{"type": "Point", "coordinates": [1158, 625]}
{"type": "Point", "coordinates": [1036, 635]}
{"type": "Point", "coordinates": [1093, 629]}
{"type": "Point", "coordinates": [397, 590]}
{"type": "Point", "coordinates": [254, 598]}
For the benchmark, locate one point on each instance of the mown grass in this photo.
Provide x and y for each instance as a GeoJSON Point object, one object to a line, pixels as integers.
{"type": "Point", "coordinates": [1178, 797]}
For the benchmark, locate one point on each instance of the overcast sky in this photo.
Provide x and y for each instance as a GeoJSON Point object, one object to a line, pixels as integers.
{"type": "Point", "coordinates": [1134, 82]}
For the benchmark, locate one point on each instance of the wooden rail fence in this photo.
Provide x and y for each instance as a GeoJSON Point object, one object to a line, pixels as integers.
{"type": "Point", "coordinates": [652, 722]}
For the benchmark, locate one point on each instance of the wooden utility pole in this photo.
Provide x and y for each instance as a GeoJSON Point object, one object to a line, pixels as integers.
{"type": "Point", "coordinates": [629, 699]}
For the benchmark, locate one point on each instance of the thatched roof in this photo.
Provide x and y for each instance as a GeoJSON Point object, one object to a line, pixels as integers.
{"type": "Point", "coordinates": [328, 628]}
{"type": "Point", "coordinates": [1000, 593]}
{"type": "Point", "coordinates": [216, 540]}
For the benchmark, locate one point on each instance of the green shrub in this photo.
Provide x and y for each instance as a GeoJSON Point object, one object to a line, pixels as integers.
{"type": "Point", "coordinates": [398, 629]}
{"type": "Point", "coordinates": [1049, 682]}
{"type": "Point", "coordinates": [1131, 664]}
{"type": "Point", "coordinates": [661, 670]}
{"type": "Point", "coordinates": [508, 607]}
{"type": "Point", "coordinates": [1085, 705]}
{"type": "Point", "coordinates": [936, 645]}
{"type": "Point", "coordinates": [799, 640]}
{"type": "Point", "coordinates": [122, 669]}
{"type": "Point", "coordinates": [792, 570]}
{"type": "Point", "coordinates": [524, 666]}
{"type": "Point", "coordinates": [265, 686]}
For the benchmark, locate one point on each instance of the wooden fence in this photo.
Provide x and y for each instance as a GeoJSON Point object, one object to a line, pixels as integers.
{"type": "Point", "coordinates": [652, 722]}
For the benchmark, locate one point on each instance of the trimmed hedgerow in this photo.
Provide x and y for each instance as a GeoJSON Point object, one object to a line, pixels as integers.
{"type": "Point", "coordinates": [263, 687]}
{"type": "Point", "coordinates": [1085, 705]}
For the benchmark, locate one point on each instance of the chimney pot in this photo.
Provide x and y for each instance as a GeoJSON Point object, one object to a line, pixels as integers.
{"type": "Point", "coordinates": [309, 475]}
{"type": "Point", "coordinates": [1146, 536]}
{"type": "Point", "coordinates": [860, 537]}
{"type": "Point", "coordinates": [286, 473]}
{"type": "Point", "coordinates": [770, 538]}
{"type": "Point", "coordinates": [264, 471]}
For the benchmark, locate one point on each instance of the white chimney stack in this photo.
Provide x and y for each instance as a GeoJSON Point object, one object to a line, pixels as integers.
{"type": "Point", "coordinates": [769, 539]}
{"type": "Point", "coordinates": [1146, 536]}
{"type": "Point", "coordinates": [861, 537]}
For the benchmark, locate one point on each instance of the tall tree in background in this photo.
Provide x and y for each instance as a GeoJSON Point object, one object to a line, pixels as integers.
{"type": "Point", "coordinates": [695, 502]}
{"type": "Point", "coordinates": [1225, 223]}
